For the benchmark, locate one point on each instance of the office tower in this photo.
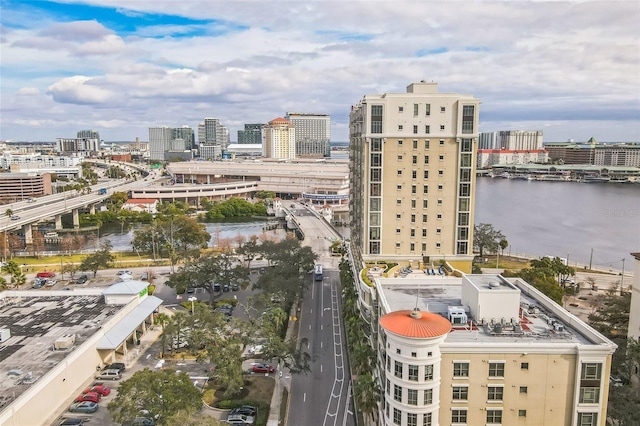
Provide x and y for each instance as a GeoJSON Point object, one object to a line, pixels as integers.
{"type": "Point", "coordinates": [159, 142]}
{"type": "Point", "coordinates": [412, 173]}
{"type": "Point", "coordinates": [80, 147]}
{"type": "Point", "coordinates": [214, 135]}
{"type": "Point", "coordinates": [313, 134]}
{"type": "Point", "coordinates": [252, 134]}
{"type": "Point", "coordinates": [187, 135]}
{"type": "Point", "coordinates": [88, 134]}
{"type": "Point", "coordinates": [510, 147]}
{"type": "Point", "coordinates": [279, 139]}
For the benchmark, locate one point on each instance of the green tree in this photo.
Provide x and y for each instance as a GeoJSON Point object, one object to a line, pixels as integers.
{"type": "Point", "coordinates": [161, 393]}
{"type": "Point", "coordinates": [503, 245]}
{"type": "Point", "coordinates": [612, 317]}
{"type": "Point", "coordinates": [18, 278]}
{"type": "Point", "coordinates": [101, 259]}
{"type": "Point", "coordinates": [553, 267]}
{"type": "Point", "coordinates": [366, 392]}
{"type": "Point", "coordinates": [486, 238]}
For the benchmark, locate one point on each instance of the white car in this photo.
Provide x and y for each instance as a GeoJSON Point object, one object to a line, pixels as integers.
{"type": "Point", "coordinates": [255, 349]}
{"type": "Point", "coordinates": [51, 283]}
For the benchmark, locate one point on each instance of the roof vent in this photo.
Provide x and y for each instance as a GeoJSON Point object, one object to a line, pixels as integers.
{"type": "Point", "coordinates": [494, 284]}
{"type": "Point", "coordinates": [416, 314]}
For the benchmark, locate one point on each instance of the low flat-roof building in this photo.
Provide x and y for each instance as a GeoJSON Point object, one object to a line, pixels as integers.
{"type": "Point", "coordinates": [52, 343]}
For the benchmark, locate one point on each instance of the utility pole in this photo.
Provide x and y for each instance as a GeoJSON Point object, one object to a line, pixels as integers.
{"type": "Point", "coordinates": [622, 279]}
{"type": "Point", "coordinates": [590, 259]}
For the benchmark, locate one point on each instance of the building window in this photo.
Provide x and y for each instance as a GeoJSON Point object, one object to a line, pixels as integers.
{"type": "Point", "coordinates": [425, 174]}
{"type": "Point", "coordinates": [424, 204]}
{"type": "Point", "coordinates": [439, 201]}
{"type": "Point", "coordinates": [415, 129]}
{"type": "Point", "coordinates": [460, 393]}
{"type": "Point", "coordinates": [376, 118]}
{"type": "Point", "coordinates": [462, 248]}
{"type": "Point", "coordinates": [425, 189]}
{"type": "Point", "coordinates": [397, 230]}
{"type": "Point", "coordinates": [438, 231]}
{"type": "Point", "coordinates": [589, 395]}
{"type": "Point", "coordinates": [424, 218]}
{"type": "Point", "coordinates": [524, 365]}
{"type": "Point", "coordinates": [375, 189]}
{"type": "Point", "coordinates": [376, 144]}
{"type": "Point", "coordinates": [428, 396]}
{"type": "Point", "coordinates": [426, 159]}
{"type": "Point", "coordinates": [522, 413]}
{"type": "Point", "coordinates": [427, 129]}
{"type": "Point", "coordinates": [442, 109]}
{"type": "Point", "coordinates": [441, 157]}
{"type": "Point", "coordinates": [426, 144]}
{"type": "Point", "coordinates": [467, 145]}
{"type": "Point", "coordinates": [523, 389]}
{"type": "Point", "coordinates": [399, 172]}
{"type": "Point", "coordinates": [458, 416]}
{"type": "Point", "coordinates": [465, 190]}
{"type": "Point", "coordinates": [440, 172]}
{"type": "Point", "coordinates": [399, 157]}
{"type": "Point", "coordinates": [397, 416]}
{"type": "Point", "coordinates": [440, 186]}
{"type": "Point", "coordinates": [412, 396]}
{"type": "Point", "coordinates": [439, 216]}
{"type": "Point", "coordinates": [398, 246]}
{"type": "Point", "coordinates": [591, 371]}
{"type": "Point", "coordinates": [376, 160]}
{"type": "Point", "coordinates": [413, 204]}
{"type": "Point", "coordinates": [376, 175]}
{"type": "Point", "coordinates": [399, 126]}
{"type": "Point", "coordinates": [399, 142]}
{"type": "Point", "coordinates": [412, 419]}
{"type": "Point", "coordinates": [413, 234]}
{"type": "Point", "coordinates": [398, 216]}
{"type": "Point", "coordinates": [415, 144]}
{"type": "Point", "coordinates": [424, 247]}
{"type": "Point", "coordinates": [413, 189]}
{"type": "Point", "coordinates": [388, 387]}
{"type": "Point", "coordinates": [374, 247]}
{"type": "Point", "coordinates": [424, 232]}
{"type": "Point", "coordinates": [467, 118]}
{"type": "Point", "coordinates": [414, 174]}
{"type": "Point", "coordinates": [414, 355]}
{"type": "Point", "coordinates": [397, 393]}
{"type": "Point", "coordinates": [399, 187]}
{"type": "Point", "coordinates": [496, 369]}
{"type": "Point", "coordinates": [398, 202]}
{"type": "Point", "coordinates": [427, 109]}
{"type": "Point", "coordinates": [428, 373]}
{"type": "Point", "coordinates": [413, 218]}
{"type": "Point", "coordinates": [460, 369]}
{"type": "Point", "coordinates": [587, 419]}
{"type": "Point", "coordinates": [442, 127]}
{"type": "Point", "coordinates": [414, 159]}
{"type": "Point", "coordinates": [412, 247]}
{"type": "Point", "coordinates": [494, 393]}
{"type": "Point", "coordinates": [427, 420]}
{"type": "Point", "coordinates": [494, 417]}
{"type": "Point", "coordinates": [398, 369]}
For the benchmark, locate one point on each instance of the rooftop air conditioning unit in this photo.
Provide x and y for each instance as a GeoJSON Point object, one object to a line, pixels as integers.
{"type": "Point", "coordinates": [65, 342]}
{"type": "Point", "coordinates": [5, 334]}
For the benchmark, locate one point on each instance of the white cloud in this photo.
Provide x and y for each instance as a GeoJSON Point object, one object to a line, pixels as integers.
{"type": "Point", "coordinates": [559, 65]}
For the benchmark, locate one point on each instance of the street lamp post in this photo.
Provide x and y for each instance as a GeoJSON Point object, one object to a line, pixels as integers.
{"type": "Point", "coordinates": [192, 299]}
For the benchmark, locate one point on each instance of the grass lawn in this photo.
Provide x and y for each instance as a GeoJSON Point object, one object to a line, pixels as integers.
{"type": "Point", "coordinates": [53, 263]}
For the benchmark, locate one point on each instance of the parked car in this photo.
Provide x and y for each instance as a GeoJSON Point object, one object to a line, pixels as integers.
{"type": "Point", "coordinates": [82, 279]}
{"type": "Point", "coordinates": [144, 276]}
{"type": "Point", "coordinates": [14, 217]}
{"type": "Point", "coordinates": [262, 368]}
{"type": "Point", "coordinates": [45, 274]}
{"type": "Point", "coordinates": [235, 287]}
{"type": "Point", "coordinates": [226, 288]}
{"type": "Point", "coordinates": [225, 309]}
{"type": "Point", "coordinates": [247, 410]}
{"type": "Point", "coordinates": [116, 366]}
{"type": "Point", "coordinates": [72, 422]}
{"type": "Point", "coordinates": [84, 407]}
{"type": "Point", "coordinates": [191, 290]}
{"type": "Point", "coordinates": [255, 349]}
{"type": "Point", "coordinates": [216, 287]}
{"type": "Point", "coordinates": [91, 396]}
{"type": "Point", "coordinates": [51, 283]}
{"type": "Point", "coordinates": [240, 419]}
{"type": "Point", "coordinates": [109, 375]}
{"type": "Point", "coordinates": [99, 389]}
{"type": "Point", "coordinates": [38, 283]}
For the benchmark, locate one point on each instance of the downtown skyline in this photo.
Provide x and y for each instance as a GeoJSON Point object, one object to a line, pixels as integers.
{"type": "Point", "coordinates": [121, 67]}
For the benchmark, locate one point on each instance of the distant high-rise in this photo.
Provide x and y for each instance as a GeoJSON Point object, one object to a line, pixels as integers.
{"type": "Point", "coordinates": [515, 140]}
{"type": "Point", "coordinates": [89, 134]}
{"type": "Point", "coordinates": [252, 134]}
{"type": "Point", "coordinates": [412, 162]}
{"type": "Point", "coordinates": [165, 139]}
{"type": "Point", "coordinates": [279, 139]}
{"type": "Point", "coordinates": [214, 135]}
{"type": "Point", "coordinates": [313, 134]}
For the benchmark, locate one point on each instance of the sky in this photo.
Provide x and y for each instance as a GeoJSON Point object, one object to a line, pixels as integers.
{"type": "Point", "coordinates": [569, 69]}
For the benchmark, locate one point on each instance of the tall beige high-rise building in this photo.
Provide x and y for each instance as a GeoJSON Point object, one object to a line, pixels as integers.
{"type": "Point", "coordinates": [412, 158]}
{"type": "Point", "coordinates": [279, 139]}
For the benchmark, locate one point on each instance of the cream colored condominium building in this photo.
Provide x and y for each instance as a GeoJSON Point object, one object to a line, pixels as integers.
{"type": "Point", "coordinates": [485, 350]}
{"type": "Point", "coordinates": [279, 139]}
{"type": "Point", "coordinates": [412, 160]}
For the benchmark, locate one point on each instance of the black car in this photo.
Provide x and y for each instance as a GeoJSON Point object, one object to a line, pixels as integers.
{"type": "Point", "coordinates": [225, 288]}
{"type": "Point", "coordinates": [225, 309]}
{"type": "Point", "coordinates": [216, 287]}
{"type": "Point", "coordinates": [191, 290]}
{"type": "Point", "coordinates": [235, 287]}
{"type": "Point", "coordinates": [72, 422]}
{"type": "Point", "coordinates": [116, 366]}
{"type": "Point", "coordinates": [82, 279]}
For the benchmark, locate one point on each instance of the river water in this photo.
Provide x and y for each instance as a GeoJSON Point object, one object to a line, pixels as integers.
{"type": "Point", "coordinates": [564, 219]}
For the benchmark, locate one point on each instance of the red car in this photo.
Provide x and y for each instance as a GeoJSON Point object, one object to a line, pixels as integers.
{"type": "Point", "coordinates": [99, 389]}
{"type": "Point", "coordinates": [262, 368]}
{"type": "Point", "coordinates": [45, 274]}
{"type": "Point", "coordinates": [91, 396]}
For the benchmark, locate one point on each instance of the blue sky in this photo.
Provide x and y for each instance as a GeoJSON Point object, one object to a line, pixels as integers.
{"type": "Point", "coordinates": [122, 66]}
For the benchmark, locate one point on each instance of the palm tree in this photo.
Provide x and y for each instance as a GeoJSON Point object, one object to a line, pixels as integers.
{"type": "Point", "coordinates": [7, 213]}
{"type": "Point", "coordinates": [163, 320]}
{"type": "Point", "coordinates": [367, 394]}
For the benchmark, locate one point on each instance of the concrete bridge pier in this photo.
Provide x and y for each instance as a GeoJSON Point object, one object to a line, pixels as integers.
{"type": "Point", "coordinates": [76, 219]}
{"type": "Point", "coordinates": [28, 235]}
{"type": "Point", "coordinates": [58, 221]}
{"type": "Point", "coordinates": [92, 209]}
